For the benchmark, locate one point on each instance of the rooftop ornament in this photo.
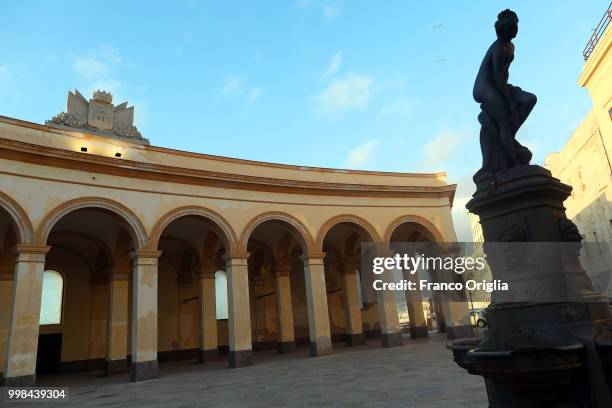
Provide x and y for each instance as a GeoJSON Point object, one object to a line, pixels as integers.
{"type": "Point", "coordinates": [99, 116]}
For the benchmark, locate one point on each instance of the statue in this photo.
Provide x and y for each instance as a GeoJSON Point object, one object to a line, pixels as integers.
{"type": "Point", "coordinates": [504, 107]}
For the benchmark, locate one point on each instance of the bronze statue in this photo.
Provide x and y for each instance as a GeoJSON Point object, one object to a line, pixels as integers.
{"type": "Point", "coordinates": [504, 107]}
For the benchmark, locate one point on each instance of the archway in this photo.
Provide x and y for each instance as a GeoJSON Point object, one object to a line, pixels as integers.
{"type": "Point", "coordinates": [91, 243]}
{"type": "Point", "coordinates": [277, 291]}
{"type": "Point", "coordinates": [353, 312]}
{"type": "Point", "coordinates": [418, 310]}
{"type": "Point", "coordinates": [9, 237]}
{"type": "Point", "coordinates": [190, 293]}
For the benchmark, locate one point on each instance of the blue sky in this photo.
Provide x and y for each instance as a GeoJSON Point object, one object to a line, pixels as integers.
{"type": "Point", "coordinates": [360, 84]}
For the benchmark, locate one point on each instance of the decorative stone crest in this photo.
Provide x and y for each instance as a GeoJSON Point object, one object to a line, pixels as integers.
{"type": "Point", "coordinates": [98, 115]}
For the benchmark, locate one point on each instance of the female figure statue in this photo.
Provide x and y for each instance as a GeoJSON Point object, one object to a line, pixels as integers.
{"type": "Point", "coordinates": [504, 107]}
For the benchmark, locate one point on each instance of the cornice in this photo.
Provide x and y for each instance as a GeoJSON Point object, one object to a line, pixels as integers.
{"type": "Point", "coordinates": [81, 132]}
{"type": "Point", "coordinates": [60, 158]}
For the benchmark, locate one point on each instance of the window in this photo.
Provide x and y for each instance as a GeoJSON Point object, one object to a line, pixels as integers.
{"type": "Point", "coordinates": [221, 294]}
{"type": "Point", "coordinates": [51, 301]}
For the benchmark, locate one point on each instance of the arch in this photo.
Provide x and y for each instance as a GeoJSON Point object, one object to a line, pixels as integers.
{"type": "Point", "coordinates": [220, 226]}
{"type": "Point", "coordinates": [137, 229]}
{"type": "Point", "coordinates": [435, 234]}
{"type": "Point", "coordinates": [346, 218]}
{"type": "Point", "coordinates": [19, 219]}
{"type": "Point", "coordinates": [304, 235]}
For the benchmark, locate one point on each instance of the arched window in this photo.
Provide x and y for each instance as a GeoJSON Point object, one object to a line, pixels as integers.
{"type": "Point", "coordinates": [52, 295]}
{"type": "Point", "coordinates": [221, 294]}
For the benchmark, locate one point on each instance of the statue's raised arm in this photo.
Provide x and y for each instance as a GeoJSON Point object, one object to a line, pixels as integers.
{"type": "Point", "coordinates": [504, 107]}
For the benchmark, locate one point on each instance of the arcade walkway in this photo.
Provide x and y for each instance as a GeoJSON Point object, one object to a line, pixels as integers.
{"type": "Point", "coordinates": [420, 374]}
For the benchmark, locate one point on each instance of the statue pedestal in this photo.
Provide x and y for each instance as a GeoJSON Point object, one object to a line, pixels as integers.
{"type": "Point", "coordinates": [548, 341]}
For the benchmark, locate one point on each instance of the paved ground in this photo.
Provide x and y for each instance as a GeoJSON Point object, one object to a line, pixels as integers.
{"type": "Point", "coordinates": [420, 374]}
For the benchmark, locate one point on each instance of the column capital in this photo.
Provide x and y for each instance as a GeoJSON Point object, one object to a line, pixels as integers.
{"type": "Point", "coordinates": [282, 270]}
{"type": "Point", "coordinates": [238, 258]}
{"type": "Point", "coordinates": [236, 255]}
{"type": "Point", "coordinates": [145, 253]}
{"type": "Point", "coordinates": [118, 273]}
{"type": "Point", "coordinates": [207, 268]}
{"type": "Point", "coordinates": [315, 257]}
{"type": "Point", "coordinates": [31, 253]}
{"type": "Point", "coordinates": [31, 249]}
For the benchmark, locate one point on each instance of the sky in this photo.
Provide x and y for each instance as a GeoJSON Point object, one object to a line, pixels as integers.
{"type": "Point", "coordinates": [370, 85]}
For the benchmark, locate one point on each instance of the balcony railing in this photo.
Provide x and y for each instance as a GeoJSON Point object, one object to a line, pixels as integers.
{"type": "Point", "coordinates": [598, 33]}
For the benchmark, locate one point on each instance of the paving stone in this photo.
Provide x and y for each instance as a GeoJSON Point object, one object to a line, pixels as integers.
{"type": "Point", "coordinates": [420, 374]}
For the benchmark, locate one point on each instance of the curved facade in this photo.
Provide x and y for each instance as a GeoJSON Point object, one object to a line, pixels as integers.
{"type": "Point", "coordinates": [139, 238]}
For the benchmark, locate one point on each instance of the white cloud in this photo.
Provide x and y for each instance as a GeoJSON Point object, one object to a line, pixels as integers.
{"type": "Point", "coordinates": [254, 94]}
{"type": "Point", "coordinates": [402, 106]}
{"type": "Point", "coordinates": [232, 85]}
{"type": "Point", "coordinates": [440, 149]}
{"type": "Point", "coordinates": [331, 10]}
{"type": "Point", "coordinates": [351, 92]}
{"type": "Point", "coordinates": [361, 153]}
{"type": "Point", "coordinates": [334, 65]}
{"type": "Point", "coordinates": [97, 62]}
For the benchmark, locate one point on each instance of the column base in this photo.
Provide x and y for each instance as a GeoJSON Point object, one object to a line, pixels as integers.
{"type": "Point", "coordinates": [207, 355]}
{"type": "Point", "coordinates": [355, 339]}
{"type": "Point", "coordinates": [285, 346]}
{"type": "Point", "coordinates": [459, 332]}
{"type": "Point", "coordinates": [418, 332]}
{"type": "Point", "coordinates": [115, 366]}
{"type": "Point", "coordinates": [241, 358]}
{"type": "Point", "coordinates": [391, 340]}
{"type": "Point", "coordinates": [21, 381]}
{"type": "Point", "coordinates": [143, 370]}
{"type": "Point", "coordinates": [320, 348]}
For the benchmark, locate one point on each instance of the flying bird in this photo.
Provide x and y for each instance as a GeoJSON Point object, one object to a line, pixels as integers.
{"type": "Point", "coordinates": [437, 26]}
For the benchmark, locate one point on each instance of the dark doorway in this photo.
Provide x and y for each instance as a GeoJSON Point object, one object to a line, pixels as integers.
{"type": "Point", "coordinates": [49, 353]}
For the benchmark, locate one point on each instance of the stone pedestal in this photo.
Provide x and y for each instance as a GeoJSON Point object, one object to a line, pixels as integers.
{"type": "Point", "coordinates": [543, 347]}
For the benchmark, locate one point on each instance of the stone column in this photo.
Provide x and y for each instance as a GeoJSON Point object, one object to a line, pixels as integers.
{"type": "Point", "coordinates": [117, 345]}
{"type": "Point", "coordinates": [316, 298]}
{"type": "Point", "coordinates": [418, 323]}
{"type": "Point", "coordinates": [98, 337]}
{"type": "Point", "coordinates": [286, 335]}
{"type": "Point", "coordinates": [239, 313]}
{"type": "Point", "coordinates": [455, 306]}
{"type": "Point", "coordinates": [143, 365]}
{"type": "Point", "coordinates": [209, 349]}
{"type": "Point", "coordinates": [354, 325]}
{"type": "Point", "coordinates": [390, 333]}
{"type": "Point", "coordinates": [6, 297]}
{"type": "Point", "coordinates": [22, 341]}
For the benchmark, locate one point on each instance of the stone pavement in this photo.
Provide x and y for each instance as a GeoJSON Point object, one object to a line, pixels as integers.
{"type": "Point", "coordinates": [420, 374]}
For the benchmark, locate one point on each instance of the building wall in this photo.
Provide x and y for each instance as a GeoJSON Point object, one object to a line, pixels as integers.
{"type": "Point", "coordinates": [585, 164]}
